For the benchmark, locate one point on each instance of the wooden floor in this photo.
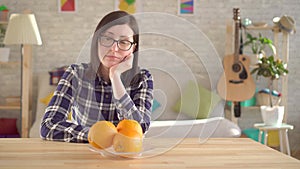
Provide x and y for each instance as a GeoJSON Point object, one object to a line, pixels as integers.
{"type": "Point", "coordinates": [296, 154]}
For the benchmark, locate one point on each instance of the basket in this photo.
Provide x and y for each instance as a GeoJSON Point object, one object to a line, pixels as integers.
{"type": "Point", "coordinates": [263, 99]}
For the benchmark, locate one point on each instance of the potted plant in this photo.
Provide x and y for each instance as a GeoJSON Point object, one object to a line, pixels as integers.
{"type": "Point", "coordinates": [272, 69]}
{"type": "Point", "coordinates": [258, 45]}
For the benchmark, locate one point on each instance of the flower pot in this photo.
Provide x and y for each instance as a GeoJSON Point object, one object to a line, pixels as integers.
{"type": "Point", "coordinates": [272, 115]}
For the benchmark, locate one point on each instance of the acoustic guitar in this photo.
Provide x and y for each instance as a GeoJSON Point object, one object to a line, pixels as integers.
{"type": "Point", "coordinates": [236, 84]}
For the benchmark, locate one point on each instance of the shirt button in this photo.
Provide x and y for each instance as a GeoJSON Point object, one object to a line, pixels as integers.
{"type": "Point", "coordinates": [106, 96]}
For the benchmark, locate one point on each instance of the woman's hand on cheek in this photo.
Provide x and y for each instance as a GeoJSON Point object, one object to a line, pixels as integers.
{"type": "Point", "coordinates": [123, 66]}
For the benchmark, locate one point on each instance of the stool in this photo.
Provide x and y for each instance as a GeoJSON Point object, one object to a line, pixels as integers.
{"type": "Point", "coordinates": [282, 131]}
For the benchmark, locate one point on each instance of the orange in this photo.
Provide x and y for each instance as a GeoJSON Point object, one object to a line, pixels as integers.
{"type": "Point", "coordinates": [129, 137]}
{"type": "Point", "coordinates": [130, 128]}
{"type": "Point", "coordinates": [123, 143]}
{"type": "Point", "coordinates": [101, 134]}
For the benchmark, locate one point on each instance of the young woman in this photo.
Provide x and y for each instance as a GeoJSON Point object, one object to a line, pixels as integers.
{"type": "Point", "coordinates": [111, 87]}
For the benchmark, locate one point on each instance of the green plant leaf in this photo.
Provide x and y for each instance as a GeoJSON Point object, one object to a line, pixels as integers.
{"type": "Point", "coordinates": [269, 67]}
{"type": "Point", "coordinates": [129, 2]}
{"type": "Point", "coordinates": [258, 44]}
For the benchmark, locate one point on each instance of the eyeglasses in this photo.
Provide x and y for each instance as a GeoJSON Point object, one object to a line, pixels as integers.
{"type": "Point", "coordinates": [108, 42]}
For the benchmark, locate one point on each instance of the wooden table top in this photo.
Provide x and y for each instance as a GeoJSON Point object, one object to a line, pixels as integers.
{"type": "Point", "coordinates": [214, 153]}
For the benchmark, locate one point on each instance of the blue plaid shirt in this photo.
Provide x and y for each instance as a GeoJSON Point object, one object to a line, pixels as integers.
{"type": "Point", "coordinates": [91, 101]}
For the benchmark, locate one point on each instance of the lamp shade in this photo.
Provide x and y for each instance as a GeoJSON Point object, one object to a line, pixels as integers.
{"type": "Point", "coordinates": [22, 29]}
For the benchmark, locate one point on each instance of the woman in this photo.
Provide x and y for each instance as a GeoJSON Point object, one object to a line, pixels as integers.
{"type": "Point", "coordinates": [111, 87]}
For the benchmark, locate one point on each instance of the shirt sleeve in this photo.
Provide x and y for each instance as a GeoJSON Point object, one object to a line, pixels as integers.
{"type": "Point", "coordinates": [54, 125]}
{"type": "Point", "coordinates": [138, 102]}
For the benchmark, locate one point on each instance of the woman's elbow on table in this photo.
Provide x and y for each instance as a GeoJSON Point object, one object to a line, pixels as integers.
{"type": "Point", "coordinates": [44, 130]}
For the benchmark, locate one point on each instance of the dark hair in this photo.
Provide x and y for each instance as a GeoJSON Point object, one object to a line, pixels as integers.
{"type": "Point", "coordinates": [109, 20]}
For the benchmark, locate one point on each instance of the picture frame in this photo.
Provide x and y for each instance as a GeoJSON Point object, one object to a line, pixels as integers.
{"type": "Point", "coordinates": [186, 7]}
{"type": "Point", "coordinates": [67, 6]}
{"type": "Point", "coordinates": [129, 6]}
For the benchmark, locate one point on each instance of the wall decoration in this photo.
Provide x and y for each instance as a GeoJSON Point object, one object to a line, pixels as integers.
{"type": "Point", "coordinates": [186, 7]}
{"type": "Point", "coordinates": [67, 5]}
{"type": "Point", "coordinates": [130, 6]}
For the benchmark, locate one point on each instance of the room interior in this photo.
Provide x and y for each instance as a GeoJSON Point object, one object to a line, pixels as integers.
{"type": "Point", "coordinates": [179, 56]}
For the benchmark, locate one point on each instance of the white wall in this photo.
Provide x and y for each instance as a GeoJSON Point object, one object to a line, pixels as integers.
{"type": "Point", "coordinates": [64, 34]}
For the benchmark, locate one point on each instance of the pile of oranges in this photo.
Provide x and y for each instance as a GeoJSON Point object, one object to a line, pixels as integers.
{"type": "Point", "coordinates": [126, 137]}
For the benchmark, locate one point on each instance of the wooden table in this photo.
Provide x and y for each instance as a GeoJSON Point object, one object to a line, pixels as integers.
{"type": "Point", "coordinates": [214, 153]}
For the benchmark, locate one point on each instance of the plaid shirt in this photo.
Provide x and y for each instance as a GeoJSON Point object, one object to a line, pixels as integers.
{"type": "Point", "coordinates": [91, 101]}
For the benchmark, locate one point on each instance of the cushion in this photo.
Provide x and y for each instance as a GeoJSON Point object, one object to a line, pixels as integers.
{"type": "Point", "coordinates": [8, 126]}
{"type": "Point", "coordinates": [273, 137]}
{"type": "Point", "coordinates": [47, 99]}
{"type": "Point", "coordinates": [196, 101]}
{"type": "Point", "coordinates": [253, 134]}
{"type": "Point", "coordinates": [155, 105]}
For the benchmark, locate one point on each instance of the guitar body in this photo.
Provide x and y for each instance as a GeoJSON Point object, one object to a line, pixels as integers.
{"type": "Point", "coordinates": [236, 84]}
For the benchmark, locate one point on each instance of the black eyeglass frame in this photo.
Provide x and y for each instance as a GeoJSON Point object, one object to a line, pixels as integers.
{"type": "Point", "coordinates": [118, 41]}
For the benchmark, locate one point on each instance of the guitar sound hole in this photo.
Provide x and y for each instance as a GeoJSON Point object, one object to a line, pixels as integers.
{"type": "Point", "coordinates": [236, 67]}
{"type": "Point", "coordinates": [243, 75]}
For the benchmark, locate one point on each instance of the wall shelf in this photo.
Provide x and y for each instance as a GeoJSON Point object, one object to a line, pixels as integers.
{"type": "Point", "coordinates": [3, 22]}
{"type": "Point", "coordinates": [10, 107]}
{"type": "Point", "coordinates": [26, 91]}
{"type": "Point", "coordinates": [259, 27]}
{"type": "Point", "coordinates": [9, 63]}
{"type": "Point", "coordinates": [283, 45]}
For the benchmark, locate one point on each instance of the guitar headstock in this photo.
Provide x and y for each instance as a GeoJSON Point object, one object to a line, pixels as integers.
{"type": "Point", "coordinates": [236, 14]}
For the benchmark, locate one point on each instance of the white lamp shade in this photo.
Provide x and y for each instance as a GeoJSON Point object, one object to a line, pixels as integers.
{"type": "Point", "coordinates": [22, 29]}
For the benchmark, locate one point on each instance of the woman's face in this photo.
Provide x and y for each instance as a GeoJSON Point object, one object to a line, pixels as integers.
{"type": "Point", "coordinates": [110, 55]}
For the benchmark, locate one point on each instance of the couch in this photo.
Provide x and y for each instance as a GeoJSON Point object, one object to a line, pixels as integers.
{"type": "Point", "coordinates": [169, 121]}
{"type": "Point", "coordinates": [166, 120]}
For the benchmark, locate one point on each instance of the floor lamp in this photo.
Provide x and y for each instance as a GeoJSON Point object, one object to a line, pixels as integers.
{"type": "Point", "coordinates": [22, 29]}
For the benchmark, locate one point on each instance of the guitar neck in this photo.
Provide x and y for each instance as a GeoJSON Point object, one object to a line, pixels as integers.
{"type": "Point", "coordinates": [236, 12]}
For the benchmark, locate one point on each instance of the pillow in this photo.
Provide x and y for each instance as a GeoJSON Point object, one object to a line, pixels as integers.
{"type": "Point", "coordinates": [196, 105]}
{"type": "Point", "coordinates": [8, 126]}
{"type": "Point", "coordinates": [47, 99]}
{"type": "Point", "coordinates": [273, 138]}
{"type": "Point", "coordinates": [155, 105]}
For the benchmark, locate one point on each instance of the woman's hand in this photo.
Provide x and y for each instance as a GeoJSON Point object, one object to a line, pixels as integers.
{"type": "Point", "coordinates": [123, 66]}
{"type": "Point", "coordinates": [115, 75]}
